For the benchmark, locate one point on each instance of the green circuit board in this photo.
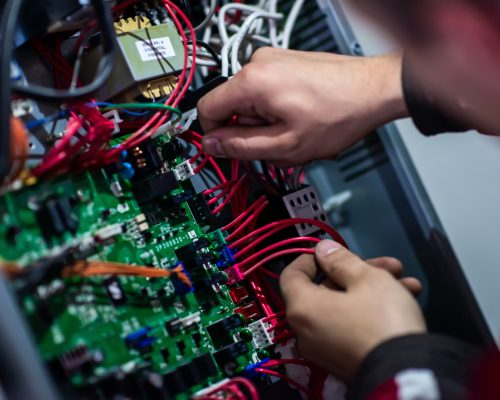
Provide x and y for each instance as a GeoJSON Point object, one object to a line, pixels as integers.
{"type": "Point", "coordinates": [102, 332]}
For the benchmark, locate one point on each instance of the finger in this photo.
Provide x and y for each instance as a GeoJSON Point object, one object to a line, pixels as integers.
{"type": "Point", "coordinates": [234, 97]}
{"type": "Point", "coordinates": [299, 275]}
{"type": "Point", "coordinates": [340, 265]}
{"type": "Point", "coordinates": [391, 265]}
{"type": "Point", "coordinates": [246, 143]}
{"type": "Point", "coordinates": [413, 285]}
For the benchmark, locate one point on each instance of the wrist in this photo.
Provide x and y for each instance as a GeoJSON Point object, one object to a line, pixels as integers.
{"type": "Point", "coordinates": [388, 73]}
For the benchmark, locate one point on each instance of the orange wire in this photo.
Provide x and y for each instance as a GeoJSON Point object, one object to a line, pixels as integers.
{"type": "Point", "coordinates": [98, 268]}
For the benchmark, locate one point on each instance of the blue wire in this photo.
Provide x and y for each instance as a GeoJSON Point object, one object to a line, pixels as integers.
{"type": "Point", "coordinates": [106, 104]}
{"type": "Point", "coordinates": [42, 121]}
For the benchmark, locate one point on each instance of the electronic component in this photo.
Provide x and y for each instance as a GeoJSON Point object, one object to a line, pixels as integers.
{"type": "Point", "coordinates": [115, 291]}
{"type": "Point", "coordinates": [262, 337]}
{"type": "Point", "coordinates": [239, 294]}
{"type": "Point", "coordinates": [305, 203]}
{"type": "Point", "coordinates": [184, 171]}
{"type": "Point", "coordinates": [250, 311]}
{"type": "Point", "coordinates": [126, 278]}
{"type": "Point", "coordinates": [80, 359]}
{"type": "Point", "coordinates": [55, 217]}
{"type": "Point", "coordinates": [226, 358]}
{"type": "Point", "coordinates": [154, 188]}
{"type": "Point", "coordinates": [221, 331]}
{"type": "Point", "coordinates": [143, 55]}
{"type": "Point", "coordinates": [201, 210]}
{"type": "Point", "coordinates": [145, 159]}
{"type": "Point", "coordinates": [140, 340]}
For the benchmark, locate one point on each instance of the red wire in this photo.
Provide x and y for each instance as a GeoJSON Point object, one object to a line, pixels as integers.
{"type": "Point", "coordinates": [291, 381]}
{"type": "Point", "coordinates": [219, 196]}
{"type": "Point", "coordinates": [255, 243]}
{"type": "Point", "coordinates": [234, 190]}
{"type": "Point", "coordinates": [280, 324]}
{"type": "Point", "coordinates": [255, 282]}
{"type": "Point", "coordinates": [253, 218]}
{"type": "Point", "coordinates": [277, 315]}
{"type": "Point", "coordinates": [275, 246]}
{"type": "Point", "coordinates": [270, 291]}
{"type": "Point", "coordinates": [290, 222]}
{"type": "Point", "coordinates": [215, 166]}
{"type": "Point", "coordinates": [218, 188]}
{"type": "Point", "coordinates": [245, 214]}
{"type": "Point", "coordinates": [195, 158]}
{"type": "Point", "coordinates": [275, 256]}
{"type": "Point", "coordinates": [202, 165]}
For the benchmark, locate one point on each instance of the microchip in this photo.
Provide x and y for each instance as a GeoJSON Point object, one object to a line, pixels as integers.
{"type": "Point", "coordinates": [154, 188]}
{"type": "Point", "coordinates": [115, 291]}
{"type": "Point", "coordinates": [55, 218]}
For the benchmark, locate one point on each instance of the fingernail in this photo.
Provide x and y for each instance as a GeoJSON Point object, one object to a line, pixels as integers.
{"type": "Point", "coordinates": [327, 247]}
{"type": "Point", "coordinates": [213, 146]}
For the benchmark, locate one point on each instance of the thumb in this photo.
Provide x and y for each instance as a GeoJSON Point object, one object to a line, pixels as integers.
{"type": "Point", "coordinates": [340, 265]}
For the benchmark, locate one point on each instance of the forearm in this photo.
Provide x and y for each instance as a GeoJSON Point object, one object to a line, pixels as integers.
{"type": "Point", "coordinates": [428, 366]}
{"type": "Point", "coordinates": [424, 108]}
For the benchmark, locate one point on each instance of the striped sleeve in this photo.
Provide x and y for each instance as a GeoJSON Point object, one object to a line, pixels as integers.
{"type": "Point", "coordinates": [415, 367]}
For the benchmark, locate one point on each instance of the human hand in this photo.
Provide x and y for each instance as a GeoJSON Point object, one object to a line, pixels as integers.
{"type": "Point", "coordinates": [294, 107]}
{"type": "Point", "coordinates": [359, 306]}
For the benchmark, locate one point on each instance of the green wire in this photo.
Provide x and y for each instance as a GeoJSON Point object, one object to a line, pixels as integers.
{"type": "Point", "coordinates": [145, 106]}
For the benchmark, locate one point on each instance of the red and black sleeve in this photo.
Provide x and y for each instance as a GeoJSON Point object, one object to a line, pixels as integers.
{"type": "Point", "coordinates": [416, 367]}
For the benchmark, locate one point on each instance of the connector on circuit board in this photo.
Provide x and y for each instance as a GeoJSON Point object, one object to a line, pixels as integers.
{"type": "Point", "coordinates": [184, 171]}
{"type": "Point", "coordinates": [234, 275]}
{"type": "Point", "coordinates": [261, 337]}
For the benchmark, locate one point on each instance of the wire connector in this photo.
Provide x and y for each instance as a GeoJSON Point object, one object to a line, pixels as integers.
{"type": "Point", "coordinates": [263, 336]}
{"type": "Point", "coordinates": [234, 275]}
{"type": "Point", "coordinates": [250, 370]}
{"type": "Point", "coordinates": [184, 171]}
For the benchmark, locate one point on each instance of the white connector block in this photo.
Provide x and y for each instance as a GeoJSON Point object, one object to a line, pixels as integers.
{"type": "Point", "coordinates": [184, 171]}
{"type": "Point", "coordinates": [261, 337]}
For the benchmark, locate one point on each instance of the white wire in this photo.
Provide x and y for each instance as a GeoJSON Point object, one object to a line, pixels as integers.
{"type": "Point", "coordinates": [258, 26]}
{"type": "Point", "coordinates": [290, 23]}
{"type": "Point", "coordinates": [222, 17]}
{"type": "Point", "coordinates": [225, 56]}
{"type": "Point", "coordinates": [240, 36]}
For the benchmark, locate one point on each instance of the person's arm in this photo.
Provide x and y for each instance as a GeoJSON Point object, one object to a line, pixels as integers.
{"type": "Point", "coordinates": [428, 366]}
{"type": "Point", "coordinates": [424, 109]}
{"type": "Point", "coordinates": [364, 326]}
{"type": "Point", "coordinates": [295, 107]}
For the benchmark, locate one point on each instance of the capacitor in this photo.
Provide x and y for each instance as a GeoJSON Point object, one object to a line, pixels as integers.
{"type": "Point", "coordinates": [127, 171]}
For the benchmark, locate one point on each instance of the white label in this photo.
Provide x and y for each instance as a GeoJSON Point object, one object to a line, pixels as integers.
{"type": "Point", "coordinates": [155, 49]}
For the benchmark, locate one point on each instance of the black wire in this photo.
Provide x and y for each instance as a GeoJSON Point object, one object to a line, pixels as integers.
{"type": "Point", "coordinates": [104, 69]}
{"type": "Point", "coordinates": [210, 50]}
